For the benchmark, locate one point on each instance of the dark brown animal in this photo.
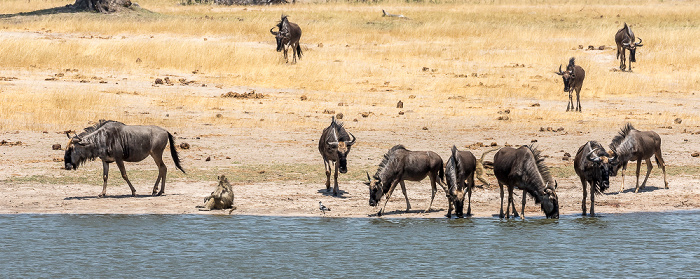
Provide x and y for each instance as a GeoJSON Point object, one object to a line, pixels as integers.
{"type": "Point", "coordinates": [288, 34]}
{"type": "Point", "coordinates": [400, 164]}
{"type": "Point", "coordinates": [631, 144]}
{"type": "Point", "coordinates": [221, 198]}
{"type": "Point", "coordinates": [334, 145]}
{"type": "Point", "coordinates": [594, 165]}
{"type": "Point", "coordinates": [573, 80]}
{"type": "Point", "coordinates": [524, 168]}
{"type": "Point", "coordinates": [112, 141]}
{"type": "Point", "coordinates": [459, 175]}
{"type": "Point", "coordinates": [624, 38]}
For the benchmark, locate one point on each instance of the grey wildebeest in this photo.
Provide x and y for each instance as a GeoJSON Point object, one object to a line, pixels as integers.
{"type": "Point", "coordinates": [112, 141]}
{"type": "Point", "coordinates": [594, 165]}
{"type": "Point", "coordinates": [573, 80]}
{"type": "Point", "coordinates": [524, 168]}
{"type": "Point", "coordinates": [288, 34]}
{"type": "Point", "coordinates": [459, 175]}
{"type": "Point", "coordinates": [401, 164]}
{"type": "Point", "coordinates": [334, 145]}
{"type": "Point", "coordinates": [631, 144]}
{"type": "Point", "coordinates": [624, 38]}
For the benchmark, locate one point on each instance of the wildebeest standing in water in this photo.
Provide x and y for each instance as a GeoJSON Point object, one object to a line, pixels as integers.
{"type": "Point", "coordinates": [524, 168]}
{"type": "Point", "coordinates": [624, 38]}
{"type": "Point", "coordinates": [288, 34]}
{"type": "Point", "coordinates": [594, 165]}
{"type": "Point", "coordinates": [112, 141]}
{"type": "Point", "coordinates": [401, 164]}
{"type": "Point", "coordinates": [221, 198]}
{"type": "Point", "coordinates": [459, 175]}
{"type": "Point", "coordinates": [631, 144]}
{"type": "Point", "coordinates": [573, 80]}
{"type": "Point", "coordinates": [334, 145]}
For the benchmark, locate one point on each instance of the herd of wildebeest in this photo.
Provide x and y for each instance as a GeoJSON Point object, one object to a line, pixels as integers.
{"type": "Point", "coordinates": [520, 168]}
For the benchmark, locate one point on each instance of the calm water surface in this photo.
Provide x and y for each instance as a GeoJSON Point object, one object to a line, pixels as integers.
{"type": "Point", "coordinates": [193, 246]}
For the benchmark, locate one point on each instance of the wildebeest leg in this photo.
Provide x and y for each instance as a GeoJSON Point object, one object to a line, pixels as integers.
{"type": "Point", "coordinates": [522, 215]}
{"type": "Point", "coordinates": [639, 166]}
{"type": "Point", "coordinates": [622, 60]}
{"type": "Point", "coordinates": [622, 172]}
{"type": "Point", "coordinates": [500, 214]}
{"type": "Point", "coordinates": [327, 166]}
{"type": "Point", "coordinates": [583, 202]}
{"type": "Point", "coordinates": [662, 165]}
{"type": "Point", "coordinates": [285, 55]}
{"type": "Point", "coordinates": [335, 180]}
{"type": "Point", "coordinates": [162, 172]}
{"type": "Point", "coordinates": [578, 100]}
{"type": "Point", "coordinates": [511, 197]}
{"type": "Point", "coordinates": [433, 189]}
{"type": "Point", "coordinates": [469, 194]}
{"type": "Point", "coordinates": [592, 199]}
{"type": "Point", "coordinates": [403, 190]}
{"type": "Point", "coordinates": [388, 195]}
{"type": "Point", "coordinates": [510, 201]}
{"type": "Point", "coordinates": [120, 164]}
{"type": "Point", "coordinates": [570, 101]}
{"type": "Point", "coordinates": [105, 175]}
{"type": "Point", "coordinates": [294, 52]}
{"type": "Point", "coordinates": [649, 167]}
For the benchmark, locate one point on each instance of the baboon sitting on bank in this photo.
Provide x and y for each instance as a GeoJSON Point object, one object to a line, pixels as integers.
{"type": "Point", "coordinates": [221, 198]}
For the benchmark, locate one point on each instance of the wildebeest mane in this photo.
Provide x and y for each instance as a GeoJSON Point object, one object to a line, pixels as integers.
{"type": "Point", "coordinates": [340, 132]}
{"type": "Point", "coordinates": [97, 126]}
{"type": "Point", "coordinates": [617, 141]}
{"type": "Point", "coordinates": [101, 135]}
{"type": "Point", "coordinates": [543, 171]}
{"type": "Point", "coordinates": [388, 160]}
{"type": "Point", "coordinates": [571, 65]}
{"type": "Point", "coordinates": [281, 22]}
{"type": "Point", "coordinates": [451, 174]}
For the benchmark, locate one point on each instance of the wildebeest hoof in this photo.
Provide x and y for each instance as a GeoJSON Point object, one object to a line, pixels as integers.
{"type": "Point", "coordinates": [101, 195]}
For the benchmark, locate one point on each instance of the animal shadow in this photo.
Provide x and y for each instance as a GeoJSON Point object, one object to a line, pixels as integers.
{"type": "Point", "coordinates": [92, 197]}
{"type": "Point", "coordinates": [330, 193]}
{"type": "Point", "coordinates": [642, 190]}
{"type": "Point", "coordinates": [399, 211]}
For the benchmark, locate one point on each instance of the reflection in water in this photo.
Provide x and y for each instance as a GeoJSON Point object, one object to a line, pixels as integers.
{"type": "Point", "coordinates": [622, 245]}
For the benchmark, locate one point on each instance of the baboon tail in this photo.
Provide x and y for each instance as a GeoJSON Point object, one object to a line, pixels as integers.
{"type": "Point", "coordinates": [173, 153]}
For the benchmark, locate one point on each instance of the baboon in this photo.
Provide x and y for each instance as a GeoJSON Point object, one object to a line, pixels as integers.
{"type": "Point", "coordinates": [221, 198]}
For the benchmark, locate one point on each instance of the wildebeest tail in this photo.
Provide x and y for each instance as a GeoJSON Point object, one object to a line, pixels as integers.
{"type": "Point", "coordinates": [441, 174]}
{"type": "Point", "coordinates": [299, 51]}
{"type": "Point", "coordinates": [173, 153]}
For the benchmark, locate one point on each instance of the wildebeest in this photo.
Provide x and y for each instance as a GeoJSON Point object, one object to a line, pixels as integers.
{"type": "Point", "coordinates": [112, 141]}
{"type": "Point", "coordinates": [573, 80]}
{"type": "Point", "coordinates": [288, 34]}
{"type": "Point", "coordinates": [632, 144]}
{"type": "Point", "coordinates": [624, 38]}
{"type": "Point", "coordinates": [334, 145]}
{"type": "Point", "coordinates": [459, 175]}
{"type": "Point", "coordinates": [524, 168]}
{"type": "Point", "coordinates": [400, 164]}
{"type": "Point", "coordinates": [221, 198]}
{"type": "Point", "coordinates": [593, 165]}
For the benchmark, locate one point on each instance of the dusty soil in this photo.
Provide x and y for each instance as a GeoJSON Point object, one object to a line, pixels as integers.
{"type": "Point", "coordinates": [276, 169]}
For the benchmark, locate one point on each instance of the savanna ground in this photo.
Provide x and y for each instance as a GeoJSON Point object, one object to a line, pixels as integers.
{"type": "Point", "coordinates": [466, 72]}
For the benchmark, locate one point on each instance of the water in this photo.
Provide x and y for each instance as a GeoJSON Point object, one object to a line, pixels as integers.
{"type": "Point", "coordinates": [193, 246]}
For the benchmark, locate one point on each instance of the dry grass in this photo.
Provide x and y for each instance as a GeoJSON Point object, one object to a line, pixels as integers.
{"type": "Point", "coordinates": [487, 54]}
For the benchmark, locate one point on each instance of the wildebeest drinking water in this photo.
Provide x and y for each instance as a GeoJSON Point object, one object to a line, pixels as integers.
{"type": "Point", "coordinates": [631, 144]}
{"type": "Point", "coordinates": [573, 80]}
{"type": "Point", "coordinates": [401, 164]}
{"type": "Point", "coordinates": [524, 168]}
{"type": "Point", "coordinates": [334, 145]}
{"type": "Point", "coordinates": [113, 141]}
{"type": "Point", "coordinates": [459, 175]}
{"type": "Point", "coordinates": [288, 34]}
{"type": "Point", "coordinates": [624, 39]}
{"type": "Point", "coordinates": [594, 165]}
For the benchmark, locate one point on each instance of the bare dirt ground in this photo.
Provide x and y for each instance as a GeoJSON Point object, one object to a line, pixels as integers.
{"type": "Point", "coordinates": [275, 166]}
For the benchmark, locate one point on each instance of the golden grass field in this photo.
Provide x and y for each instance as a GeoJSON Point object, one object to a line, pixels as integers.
{"type": "Point", "coordinates": [456, 65]}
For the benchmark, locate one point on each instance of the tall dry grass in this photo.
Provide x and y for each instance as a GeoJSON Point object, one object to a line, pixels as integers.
{"type": "Point", "coordinates": [489, 54]}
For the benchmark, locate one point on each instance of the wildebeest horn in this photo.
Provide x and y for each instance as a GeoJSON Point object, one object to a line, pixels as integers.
{"type": "Point", "coordinates": [273, 32]}
{"type": "Point", "coordinates": [560, 72]}
{"type": "Point", "coordinates": [593, 157]}
{"type": "Point", "coordinates": [368, 179]}
{"type": "Point", "coordinates": [640, 42]}
{"type": "Point", "coordinates": [353, 140]}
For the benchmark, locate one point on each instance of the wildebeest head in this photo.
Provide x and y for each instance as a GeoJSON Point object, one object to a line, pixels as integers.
{"type": "Point", "coordinates": [282, 35]}
{"type": "Point", "coordinates": [342, 148]}
{"type": "Point", "coordinates": [568, 76]}
{"type": "Point", "coordinates": [633, 48]}
{"type": "Point", "coordinates": [376, 190]}
{"type": "Point", "coordinates": [606, 164]}
{"type": "Point", "coordinates": [455, 194]}
{"type": "Point", "coordinates": [70, 159]}
{"type": "Point", "coordinates": [550, 202]}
